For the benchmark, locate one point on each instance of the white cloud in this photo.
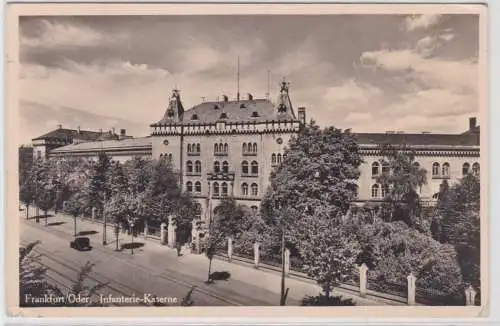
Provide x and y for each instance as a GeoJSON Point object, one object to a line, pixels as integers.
{"type": "Point", "coordinates": [356, 117]}
{"type": "Point", "coordinates": [421, 21]}
{"type": "Point", "coordinates": [351, 95]}
{"type": "Point", "coordinates": [60, 35]}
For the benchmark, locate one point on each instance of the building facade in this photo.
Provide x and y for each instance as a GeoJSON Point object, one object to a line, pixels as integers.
{"type": "Point", "coordinates": [228, 148]}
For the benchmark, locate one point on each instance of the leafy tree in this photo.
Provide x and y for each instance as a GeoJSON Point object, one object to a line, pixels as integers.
{"type": "Point", "coordinates": [74, 208]}
{"type": "Point", "coordinates": [402, 180]}
{"type": "Point", "coordinates": [96, 189]}
{"type": "Point", "coordinates": [231, 217]}
{"type": "Point", "coordinates": [116, 180]}
{"type": "Point", "coordinates": [46, 199]}
{"type": "Point", "coordinates": [27, 194]}
{"type": "Point", "coordinates": [460, 225]}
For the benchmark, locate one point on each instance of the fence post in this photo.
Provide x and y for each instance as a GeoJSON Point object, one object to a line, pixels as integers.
{"type": "Point", "coordinates": [287, 262]}
{"type": "Point", "coordinates": [411, 289]}
{"type": "Point", "coordinates": [171, 232]}
{"type": "Point", "coordinates": [162, 232]}
{"type": "Point", "coordinates": [256, 254]}
{"type": "Point", "coordinates": [94, 213]}
{"type": "Point", "coordinates": [229, 248]}
{"type": "Point", "coordinates": [470, 296]}
{"type": "Point", "coordinates": [363, 269]}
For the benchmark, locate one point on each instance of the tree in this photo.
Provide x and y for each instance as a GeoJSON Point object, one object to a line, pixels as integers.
{"type": "Point", "coordinates": [231, 217]}
{"type": "Point", "coordinates": [401, 180]}
{"type": "Point", "coordinates": [27, 194]}
{"type": "Point", "coordinates": [46, 199]}
{"type": "Point", "coordinates": [74, 208]}
{"type": "Point", "coordinates": [460, 225]}
{"type": "Point", "coordinates": [312, 189]}
{"type": "Point", "coordinates": [96, 189]}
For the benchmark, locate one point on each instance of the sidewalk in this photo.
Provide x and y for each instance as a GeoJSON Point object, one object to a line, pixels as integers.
{"type": "Point", "coordinates": [195, 267]}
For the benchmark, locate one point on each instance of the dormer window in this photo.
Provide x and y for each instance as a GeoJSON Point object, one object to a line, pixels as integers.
{"type": "Point", "coordinates": [194, 117]}
{"type": "Point", "coordinates": [170, 112]}
{"type": "Point", "coordinates": [216, 107]}
{"type": "Point", "coordinates": [242, 106]}
{"type": "Point", "coordinates": [223, 115]}
{"type": "Point", "coordinates": [255, 114]}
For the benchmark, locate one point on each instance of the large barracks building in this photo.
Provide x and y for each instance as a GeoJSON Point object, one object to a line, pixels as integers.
{"type": "Point", "coordinates": [229, 148]}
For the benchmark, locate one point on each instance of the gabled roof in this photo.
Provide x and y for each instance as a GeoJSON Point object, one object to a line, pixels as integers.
{"type": "Point", "coordinates": [235, 111]}
{"type": "Point", "coordinates": [466, 139]}
{"type": "Point", "coordinates": [69, 135]}
{"type": "Point", "coordinates": [107, 145]}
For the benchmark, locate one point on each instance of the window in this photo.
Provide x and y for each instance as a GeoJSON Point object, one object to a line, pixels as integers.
{"type": "Point", "coordinates": [216, 148]}
{"type": "Point", "coordinates": [189, 148]}
{"type": "Point", "coordinates": [194, 117]}
{"type": "Point", "coordinates": [254, 148]}
{"type": "Point", "coordinates": [385, 191]}
{"type": "Point", "coordinates": [216, 189]}
{"type": "Point", "coordinates": [221, 147]}
{"type": "Point", "coordinates": [244, 189]}
{"type": "Point", "coordinates": [375, 168]}
{"type": "Point", "coordinates": [279, 158]}
{"type": "Point", "coordinates": [197, 186]}
{"type": "Point", "coordinates": [189, 167]}
{"type": "Point", "coordinates": [255, 167]}
{"type": "Point", "coordinates": [244, 167]}
{"type": "Point", "coordinates": [416, 165]}
{"type": "Point", "coordinates": [197, 210]}
{"type": "Point", "coordinates": [170, 156]}
{"type": "Point", "coordinates": [255, 189]}
{"type": "Point", "coordinates": [216, 167]}
{"type": "Point", "coordinates": [224, 189]}
{"type": "Point", "coordinates": [225, 167]}
{"type": "Point", "coordinates": [244, 149]}
{"type": "Point", "coordinates": [198, 148]}
{"type": "Point", "coordinates": [273, 159]}
{"type": "Point", "coordinates": [197, 167]}
{"type": "Point", "coordinates": [375, 188]}
{"type": "Point", "coordinates": [226, 147]}
{"type": "Point", "coordinates": [189, 186]}
{"type": "Point", "coordinates": [254, 209]}
{"type": "Point", "coordinates": [446, 169]}
{"type": "Point", "coordinates": [385, 168]}
{"type": "Point", "coordinates": [475, 169]}
{"type": "Point", "coordinates": [465, 168]}
{"type": "Point", "coordinates": [435, 169]}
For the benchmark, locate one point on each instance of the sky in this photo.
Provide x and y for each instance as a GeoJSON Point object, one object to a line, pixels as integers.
{"type": "Point", "coordinates": [371, 73]}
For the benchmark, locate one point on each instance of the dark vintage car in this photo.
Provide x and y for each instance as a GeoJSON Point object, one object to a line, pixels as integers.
{"type": "Point", "coordinates": [81, 243]}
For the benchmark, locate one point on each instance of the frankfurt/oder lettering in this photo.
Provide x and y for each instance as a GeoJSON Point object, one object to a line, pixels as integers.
{"type": "Point", "coordinates": [45, 299]}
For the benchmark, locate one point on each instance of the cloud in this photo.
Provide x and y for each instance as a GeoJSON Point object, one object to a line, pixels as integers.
{"type": "Point", "coordinates": [421, 21]}
{"type": "Point", "coordinates": [62, 35]}
{"type": "Point", "coordinates": [356, 117]}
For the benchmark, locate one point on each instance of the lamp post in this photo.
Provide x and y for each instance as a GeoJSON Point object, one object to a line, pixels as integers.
{"type": "Point", "coordinates": [104, 226]}
{"type": "Point", "coordinates": [132, 224]}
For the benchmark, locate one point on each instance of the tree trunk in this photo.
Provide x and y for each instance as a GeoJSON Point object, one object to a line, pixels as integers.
{"type": "Point", "coordinates": [46, 214]}
{"type": "Point", "coordinates": [74, 224]}
{"type": "Point", "coordinates": [27, 211]}
{"type": "Point", "coordinates": [282, 301]}
{"type": "Point", "coordinates": [209, 268]}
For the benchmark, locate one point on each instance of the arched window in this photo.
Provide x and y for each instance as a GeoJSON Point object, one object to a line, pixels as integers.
{"type": "Point", "coordinates": [189, 148]}
{"type": "Point", "coordinates": [216, 148]}
{"type": "Point", "coordinates": [279, 158]}
{"type": "Point", "coordinates": [216, 189]}
{"type": "Point", "coordinates": [221, 147]}
{"type": "Point", "coordinates": [385, 168]}
{"type": "Point", "coordinates": [255, 167]}
{"type": "Point", "coordinates": [435, 169]}
{"type": "Point", "coordinates": [254, 209]}
{"type": "Point", "coordinates": [255, 189]}
{"type": "Point", "coordinates": [356, 191]}
{"type": "Point", "coordinates": [170, 156]}
{"type": "Point", "coordinates": [416, 165]}
{"type": "Point", "coordinates": [244, 189]}
{"type": "Point", "coordinates": [446, 169]}
{"type": "Point", "coordinates": [244, 167]}
{"type": "Point", "coordinates": [225, 167]}
{"type": "Point", "coordinates": [273, 159]}
{"type": "Point", "coordinates": [224, 189]}
{"type": "Point", "coordinates": [244, 148]}
{"type": "Point", "coordinates": [475, 169]}
{"type": "Point", "coordinates": [225, 148]}
{"type": "Point", "coordinates": [465, 168]}
{"type": "Point", "coordinates": [197, 210]}
{"type": "Point", "coordinates": [197, 167]}
{"type": "Point", "coordinates": [189, 167]}
{"type": "Point", "coordinates": [216, 167]}
{"type": "Point", "coordinates": [375, 168]}
{"type": "Point", "coordinates": [375, 188]}
{"type": "Point", "coordinates": [198, 148]}
{"type": "Point", "coordinates": [189, 186]}
{"type": "Point", "coordinates": [197, 186]}
{"type": "Point", "coordinates": [254, 149]}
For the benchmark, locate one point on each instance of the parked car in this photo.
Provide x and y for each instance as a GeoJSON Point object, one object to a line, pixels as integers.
{"type": "Point", "coordinates": [81, 243]}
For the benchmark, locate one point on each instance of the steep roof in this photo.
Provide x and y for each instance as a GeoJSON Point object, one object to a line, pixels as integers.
{"type": "Point", "coordinates": [69, 135]}
{"type": "Point", "coordinates": [466, 139]}
{"type": "Point", "coordinates": [107, 144]}
{"type": "Point", "coordinates": [234, 111]}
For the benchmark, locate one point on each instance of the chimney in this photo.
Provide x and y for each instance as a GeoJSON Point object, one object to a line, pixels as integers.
{"type": "Point", "coordinates": [122, 132]}
{"type": "Point", "coordinates": [226, 99]}
{"type": "Point", "coordinates": [100, 131]}
{"type": "Point", "coordinates": [59, 126]}
{"type": "Point", "coordinates": [250, 97]}
{"type": "Point", "coordinates": [113, 130]}
{"type": "Point", "coordinates": [79, 131]}
{"type": "Point", "coordinates": [472, 123]}
{"type": "Point", "coordinates": [302, 115]}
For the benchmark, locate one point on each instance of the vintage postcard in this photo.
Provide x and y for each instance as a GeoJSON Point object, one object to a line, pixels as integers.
{"type": "Point", "coordinates": [284, 160]}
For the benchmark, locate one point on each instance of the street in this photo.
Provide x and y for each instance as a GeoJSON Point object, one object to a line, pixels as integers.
{"type": "Point", "coordinates": [153, 269]}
